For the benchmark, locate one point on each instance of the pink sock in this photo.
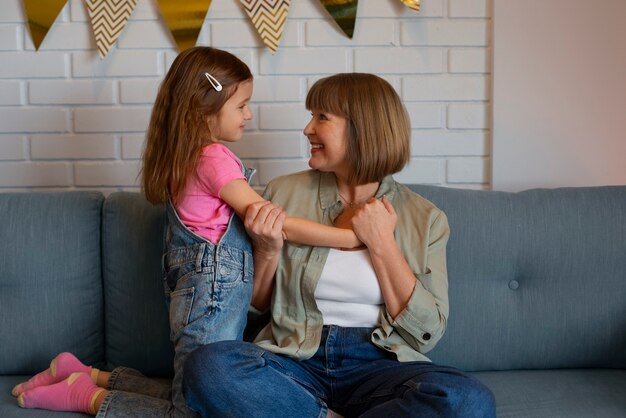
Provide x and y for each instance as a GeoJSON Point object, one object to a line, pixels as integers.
{"type": "Point", "coordinates": [60, 368]}
{"type": "Point", "coordinates": [76, 393]}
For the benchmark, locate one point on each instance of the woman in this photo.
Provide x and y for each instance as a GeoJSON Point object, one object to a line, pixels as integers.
{"type": "Point", "coordinates": [348, 329]}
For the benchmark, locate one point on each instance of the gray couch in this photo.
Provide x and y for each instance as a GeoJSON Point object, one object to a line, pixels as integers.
{"type": "Point", "coordinates": [537, 292]}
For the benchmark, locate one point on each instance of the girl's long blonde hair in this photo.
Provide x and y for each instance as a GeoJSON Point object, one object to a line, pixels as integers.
{"type": "Point", "coordinates": [178, 127]}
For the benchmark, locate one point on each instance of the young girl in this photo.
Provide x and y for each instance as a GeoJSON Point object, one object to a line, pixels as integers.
{"type": "Point", "coordinates": [202, 104]}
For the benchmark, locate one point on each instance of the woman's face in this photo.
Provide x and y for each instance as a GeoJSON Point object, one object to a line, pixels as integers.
{"type": "Point", "coordinates": [328, 136]}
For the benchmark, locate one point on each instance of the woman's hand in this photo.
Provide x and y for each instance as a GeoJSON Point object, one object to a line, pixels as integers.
{"type": "Point", "coordinates": [264, 223]}
{"type": "Point", "coordinates": [375, 222]}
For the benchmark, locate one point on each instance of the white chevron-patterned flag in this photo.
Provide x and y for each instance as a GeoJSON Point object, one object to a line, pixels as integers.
{"type": "Point", "coordinates": [412, 4]}
{"type": "Point", "coordinates": [268, 16]}
{"type": "Point", "coordinates": [108, 19]}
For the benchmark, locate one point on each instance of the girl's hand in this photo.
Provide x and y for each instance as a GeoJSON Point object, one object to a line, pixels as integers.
{"type": "Point", "coordinates": [264, 223]}
{"type": "Point", "coordinates": [375, 222]}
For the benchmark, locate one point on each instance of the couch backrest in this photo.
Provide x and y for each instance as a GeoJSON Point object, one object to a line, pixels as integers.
{"type": "Point", "coordinates": [537, 279]}
{"type": "Point", "coordinates": [136, 319]}
{"type": "Point", "coordinates": [50, 281]}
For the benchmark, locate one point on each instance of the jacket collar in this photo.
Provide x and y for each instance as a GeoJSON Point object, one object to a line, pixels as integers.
{"type": "Point", "coordinates": [329, 196]}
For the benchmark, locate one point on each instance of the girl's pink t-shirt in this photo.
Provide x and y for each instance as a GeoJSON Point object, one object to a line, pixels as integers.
{"type": "Point", "coordinates": [201, 208]}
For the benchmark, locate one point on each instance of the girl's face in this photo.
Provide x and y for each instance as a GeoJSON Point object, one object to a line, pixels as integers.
{"type": "Point", "coordinates": [228, 125]}
{"type": "Point", "coordinates": [328, 136]}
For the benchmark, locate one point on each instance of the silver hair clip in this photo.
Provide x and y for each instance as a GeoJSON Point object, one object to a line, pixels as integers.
{"type": "Point", "coordinates": [216, 84]}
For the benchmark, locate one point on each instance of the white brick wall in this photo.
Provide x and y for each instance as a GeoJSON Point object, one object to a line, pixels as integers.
{"type": "Point", "coordinates": [69, 120]}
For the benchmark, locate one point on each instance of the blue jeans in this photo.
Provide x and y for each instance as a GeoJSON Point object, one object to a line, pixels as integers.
{"type": "Point", "coordinates": [348, 374]}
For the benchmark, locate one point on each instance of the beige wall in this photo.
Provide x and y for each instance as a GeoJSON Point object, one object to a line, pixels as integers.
{"type": "Point", "coordinates": [559, 96]}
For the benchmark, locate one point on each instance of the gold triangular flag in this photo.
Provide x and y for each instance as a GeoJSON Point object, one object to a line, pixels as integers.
{"type": "Point", "coordinates": [268, 17]}
{"type": "Point", "coordinates": [344, 13]}
{"type": "Point", "coordinates": [412, 4]}
{"type": "Point", "coordinates": [108, 19]}
{"type": "Point", "coordinates": [41, 14]}
{"type": "Point", "coordinates": [184, 19]}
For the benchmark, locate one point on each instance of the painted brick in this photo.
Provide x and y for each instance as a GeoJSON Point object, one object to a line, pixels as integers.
{"type": "Point", "coordinates": [469, 8]}
{"type": "Point", "coordinates": [268, 145]}
{"type": "Point", "coordinates": [444, 32]}
{"type": "Point", "coordinates": [32, 64]}
{"type": "Point", "coordinates": [9, 37]}
{"type": "Point", "coordinates": [399, 60]}
{"type": "Point", "coordinates": [33, 119]}
{"type": "Point", "coordinates": [309, 61]}
{"type": "Point", "coordinates": [445, 88]}
{"type": "Point", "coordinates": [10, 93]}
{"type": "Point", "coordinates": [144, 34]}
{"type": "Point", "coordinates": [368, 32]}
{"type": "Point", "coordinates": [12, 147]}
{"type": "Point", "coordinates": [44, 147]}
{"type": "Point", "coordinates": [12, 12]}
{"type": "Point", "coordinates": [269, 170]}
{"type": "Point", "coordinates": [424, 115]}
{"type": "Point", "coordinates": [70, 92]}
{"type": "Point", "coordinates": [437, 143]}
{"type": "Point", "coordinates": [422, 171]}
{"type": "Point", "coordinates": [238, 34]}
{"type": "Point", "coordinates": [132, 146]}
{"type": "Point", "coordinates": [139, 91]}
{"type": "Point", "coordinates": [28, 174]}
{"type": "Point", "coordinates": [468, 116]}
{"type": "Point", "coordinates": [67, 36]}
{"type": "Point", "coordinates": [395, 9]}
{"type": "Point", "coordinates": [469, 60]}
{"type": "Point", "coordinates": [119, 173]}
{"type": "Point", "coordinates": [281, 117]}
{"type": "Point", "coordinates": [119, 63]}
{"type": "Point", "coordinates": [105, 119]}
{"type": "Point", "coordinates": [278, 89]}
{"type": "Point", "coordinates": [468, 170]}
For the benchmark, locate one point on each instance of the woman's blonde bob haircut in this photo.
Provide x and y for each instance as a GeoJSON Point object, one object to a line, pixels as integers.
{"type": "Point", "coordinates": [178, 127]}
{"type": "Point", "coordinates": [379, 125]}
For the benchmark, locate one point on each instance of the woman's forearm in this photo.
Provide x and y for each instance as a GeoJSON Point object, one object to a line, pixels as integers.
{"type": "Point", "coordinates": [263, 286]}
{"type": "Point", "coordinates": [395, 277]}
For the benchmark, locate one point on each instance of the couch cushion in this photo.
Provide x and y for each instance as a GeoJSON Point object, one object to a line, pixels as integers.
{"type": "Point", "coordinates": [537, 278]}
{"type": "Point", "coordinates": [558, 393]}
{"type": "Point", "coordinates": [10, 409]}
{"type": "Point", "coordinates": [136, 321]}
{"type": "Point", "coordinates": [50, 281]}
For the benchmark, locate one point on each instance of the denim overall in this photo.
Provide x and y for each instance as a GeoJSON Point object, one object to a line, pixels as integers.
{"type": "Point", "coordinates": [208, 288]}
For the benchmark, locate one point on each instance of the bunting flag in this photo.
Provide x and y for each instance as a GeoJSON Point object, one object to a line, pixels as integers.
{"type": "Point", "coordinates": [108, 19]}
{"type": "Point", "coordinates": [268, 17]}
{"type": "Point", "coordinates": [412, 4]}
{"type": "Point", "coordinates": [344, 13]}
{"type": "Point", "coordinates": [184, 18]}
{"type": "Point", "coordinates": [41, 14]}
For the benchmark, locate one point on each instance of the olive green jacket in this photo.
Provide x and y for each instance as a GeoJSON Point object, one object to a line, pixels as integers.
{"type": "Point", "coordinates": [421, 232]}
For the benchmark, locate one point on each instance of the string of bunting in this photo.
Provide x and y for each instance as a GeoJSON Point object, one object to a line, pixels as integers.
{"type": "Point", "coordinates": [184, 18]}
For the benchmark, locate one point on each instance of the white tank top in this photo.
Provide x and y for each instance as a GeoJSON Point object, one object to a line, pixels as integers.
{"type": "Point", "coordinates": [348, 293]}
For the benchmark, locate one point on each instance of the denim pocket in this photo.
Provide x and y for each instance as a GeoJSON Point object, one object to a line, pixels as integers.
{"type": "Point", "coordinates": [180, 303]}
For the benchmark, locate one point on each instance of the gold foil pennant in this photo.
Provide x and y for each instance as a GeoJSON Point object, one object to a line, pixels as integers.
{"type": "Point", "coordinates": [184, 18]}
{"type": "Point", "coordinates": [41, 14]}
{"type": "Point", "coordinates": [344, 13]}
{"type": "Point", "coordinates": [412, 4]}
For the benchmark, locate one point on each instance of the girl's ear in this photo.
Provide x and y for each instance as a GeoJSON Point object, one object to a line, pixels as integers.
{"type": "Point", "coordinates": [212, 126]}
